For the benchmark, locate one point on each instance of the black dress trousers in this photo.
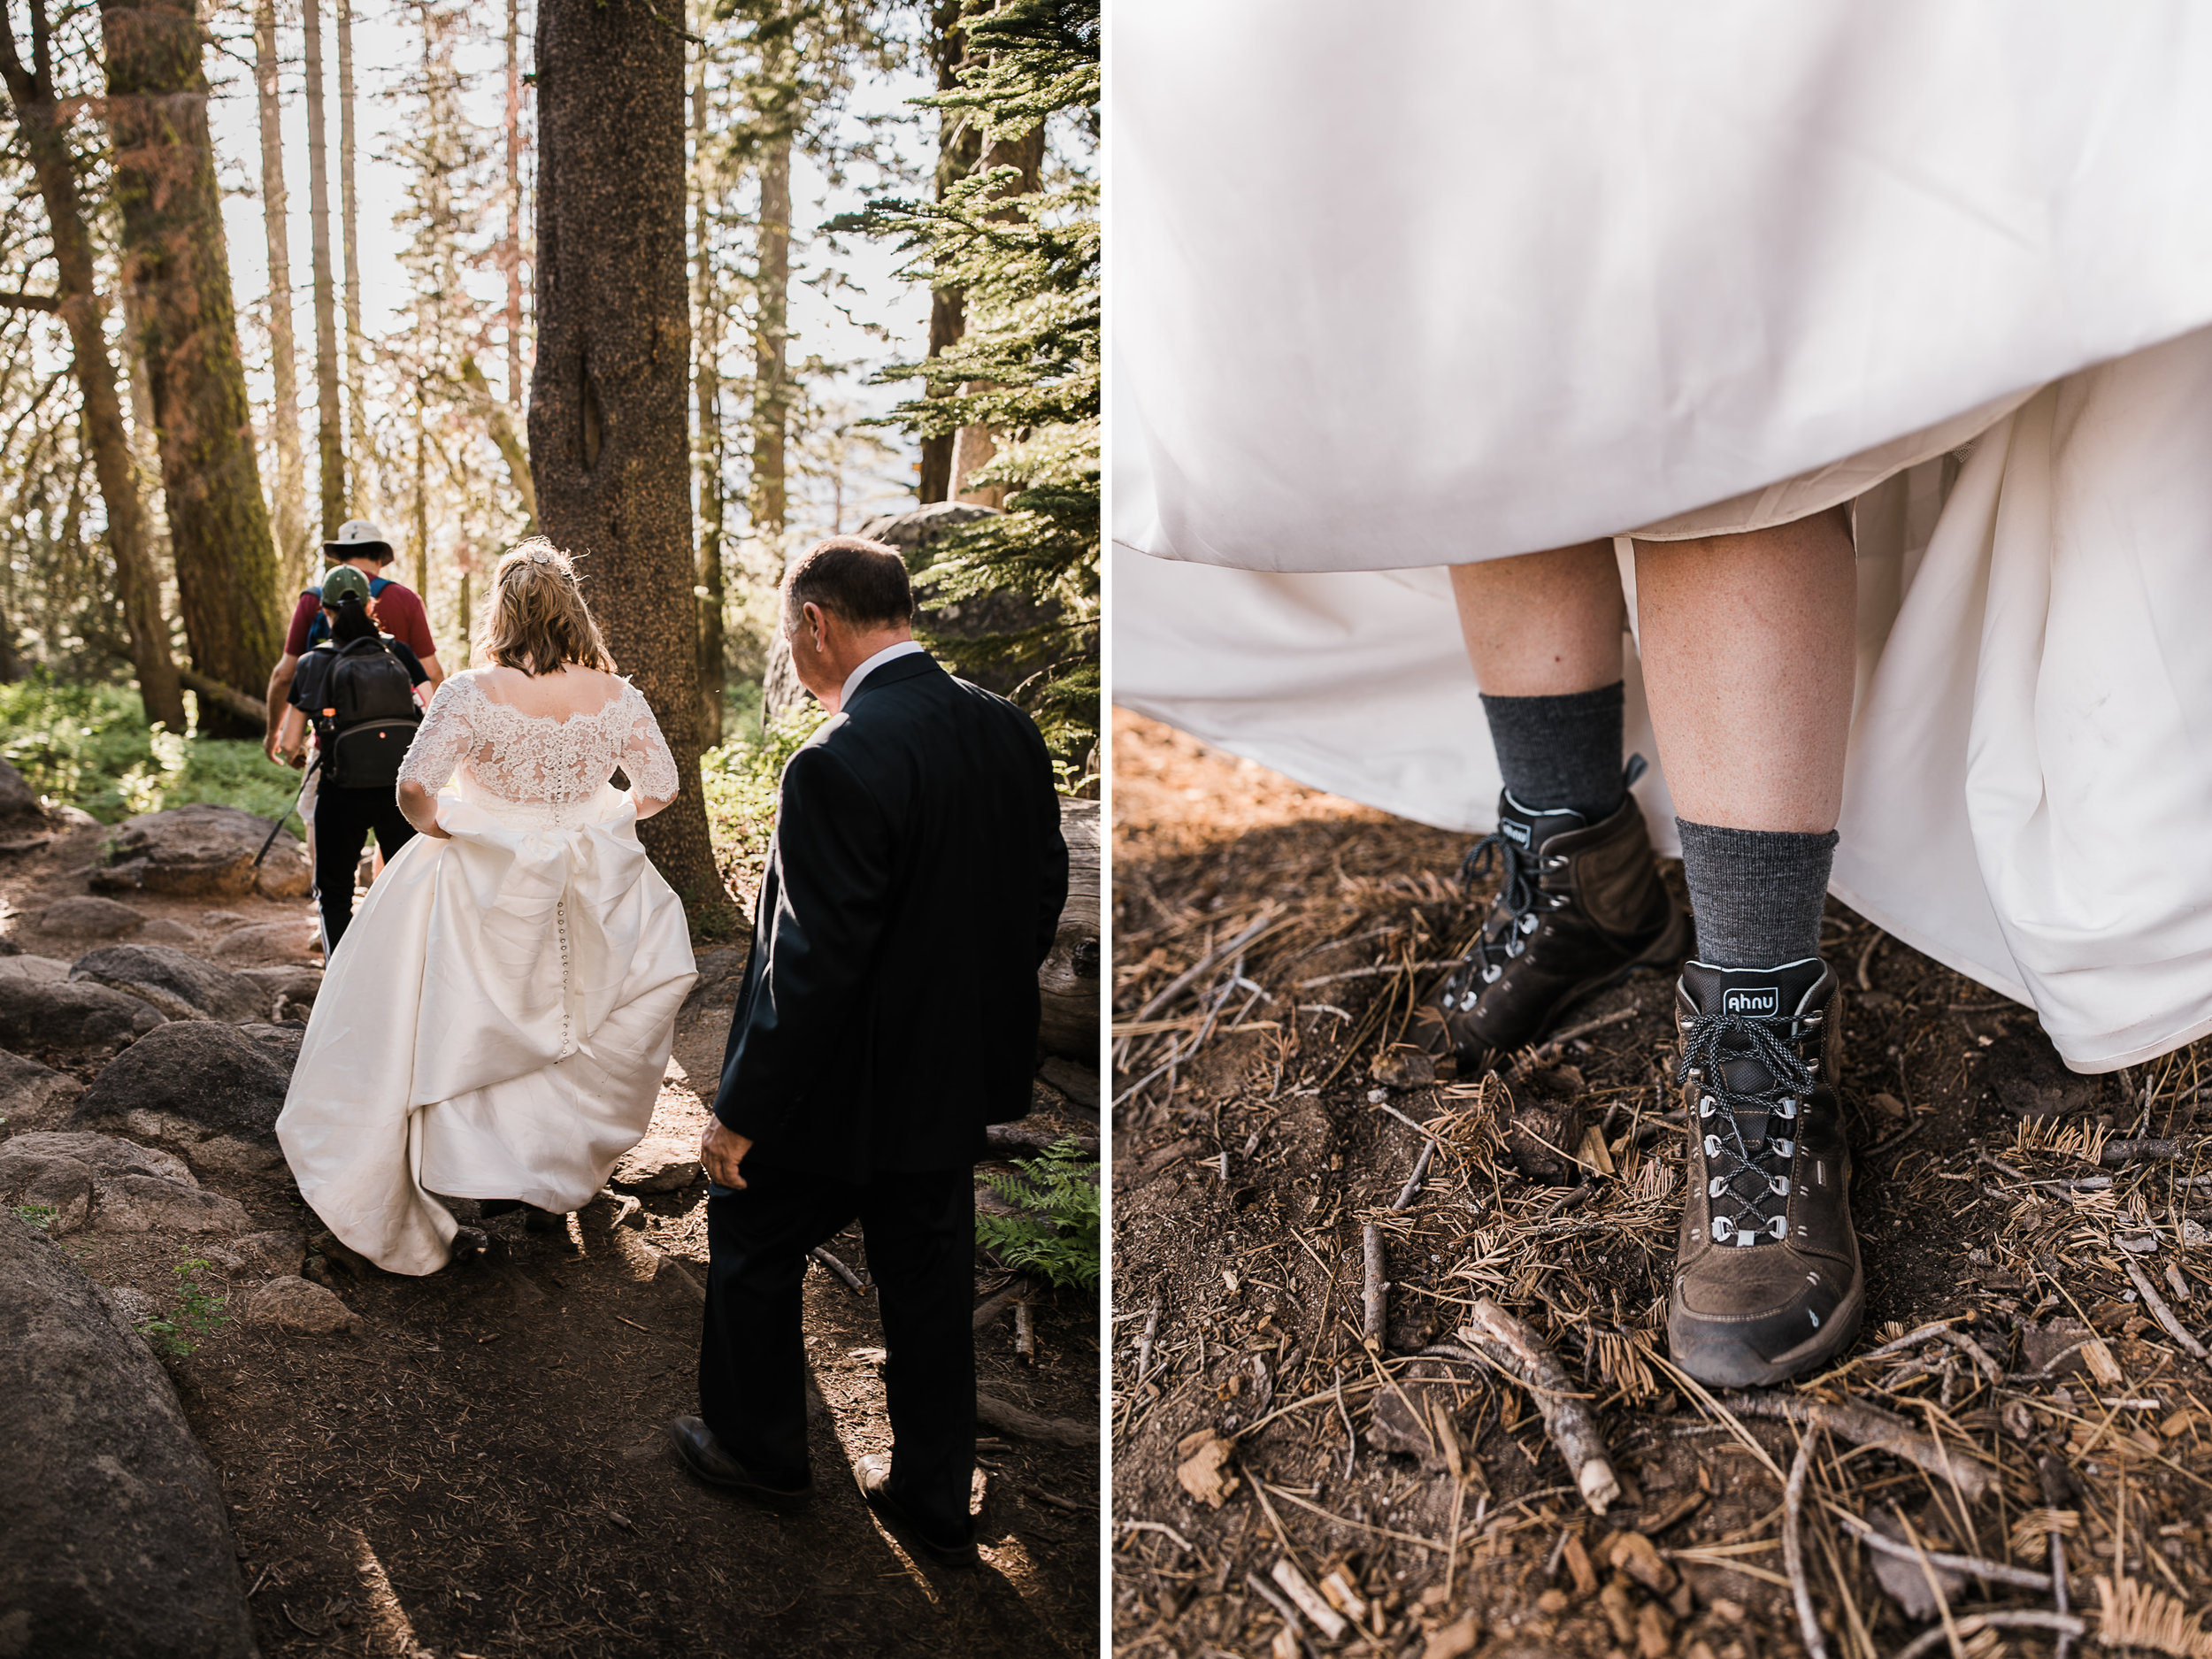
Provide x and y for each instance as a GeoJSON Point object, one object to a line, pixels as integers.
{"type": "Point", "coordinates": [920, 1232]}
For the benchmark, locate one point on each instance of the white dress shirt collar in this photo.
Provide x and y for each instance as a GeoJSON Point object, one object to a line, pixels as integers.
{"type": "Point", "coordinates": [889, 653]}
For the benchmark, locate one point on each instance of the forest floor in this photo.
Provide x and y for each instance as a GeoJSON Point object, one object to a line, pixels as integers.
{"type": "Point", "coordinates": [481, 1468]}
{"type": "Point", "coordinates": [1271, 944]}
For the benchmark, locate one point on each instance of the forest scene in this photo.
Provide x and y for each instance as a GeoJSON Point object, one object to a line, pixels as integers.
{"type": "Point", "coordinates": [684, 288]}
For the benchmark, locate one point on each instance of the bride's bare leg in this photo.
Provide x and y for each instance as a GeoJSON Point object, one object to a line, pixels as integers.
{"type": "Point", "coordinates": [1747, 648]}
{"type": "Point", "coordinates": [1543, 625]}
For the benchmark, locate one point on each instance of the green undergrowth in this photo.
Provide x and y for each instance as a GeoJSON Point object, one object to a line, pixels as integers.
{"type": "Point", "coordinates": [198, 1312]}
{"type": "Point", "coordinates": [739, 781]}
{"type": "Point", "coordinates": [91, 747]}
{"type": "Point", "coordinates": [1054, 1234]}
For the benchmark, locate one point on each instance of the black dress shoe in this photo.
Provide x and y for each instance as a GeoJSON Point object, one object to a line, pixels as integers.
{"type": "Point", "coordinates": [1580, 908]}
{"type": "Point", "coordinates": [1767, 1284]}
{"type": "Point", "coordinates": [874, 1472]}
{"type": "Point", "coordinates": [705, 1457]}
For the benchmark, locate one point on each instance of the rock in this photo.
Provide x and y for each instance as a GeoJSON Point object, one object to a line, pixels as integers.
{"type": "Point", "coordinates": [30, 1093]}
{"type": "Point", "coordinates": [1403, 1067]}
{"type": "Point", "coordinates": [215, 1088]}
{"type": "Point", "coordinates": [659, 1164]}
{"type": "Point", "coordinates": [41, 969]}
{"type": "Point", "coordinates": [270, 942]}
{"type": "Point", "coordinates": [114, 1536]}
{"type": "Point", "coordinates": [1541, 1137]}
{"type": "Point", "coordinates": [1078, 1083]}
{"type": "Point", "coordinates": [721, 976]}
{"type": "Point", "coordinates": [295, 986]}
{"type": "Point", "coordinates": [273, 1254]}
{"type": "Point", "coordinates": [197, 849]}
{"type": "Point", "coordinates": [2022, 1073]}
{"type": "Point", "coordinates": [130, 1188]}
{"type": "Point", "coordinates": [21, 812]}
{"type": "Point", "coordinates": [90, 917]}
{"type": "Point", "coordinates": [68, 1015]}
{"type": "Point", "coordinates": [180, 985]}
{"type": "Point", "coordinates": [136, 1307]}
{"type": "Point", "coordinates": [291, 1303]}
{"type": "Point", "coordinates": [1067, 979]}
{"type": "Point", "coordinates": [161, 931]}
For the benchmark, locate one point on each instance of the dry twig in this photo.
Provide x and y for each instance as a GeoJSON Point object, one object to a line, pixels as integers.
{"type": "Point", "coordinates": [2160, 1311]}
{"type": "Point", "coordinates": [1374, 1300]}
{"type": "Point", "coordinates": [1521, 1354]}
{"type": "Point", "coordinates": [1863, 1424]}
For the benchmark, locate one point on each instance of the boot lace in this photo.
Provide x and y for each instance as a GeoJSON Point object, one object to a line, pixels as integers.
{"type": "Point", "coordinates": [1513, 916]}
{"type": "Point", "coordinates": [1747, 1180]}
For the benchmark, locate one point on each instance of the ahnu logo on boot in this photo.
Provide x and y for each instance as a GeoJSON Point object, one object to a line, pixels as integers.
{"type": "Point", "coordinates": [1513, 831]}
{"type": "Point", "coordinates": [1765, 999]}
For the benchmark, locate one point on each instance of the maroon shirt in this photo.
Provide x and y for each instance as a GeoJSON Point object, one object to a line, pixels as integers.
{"type": "Point", "coordinates": [398, 611]}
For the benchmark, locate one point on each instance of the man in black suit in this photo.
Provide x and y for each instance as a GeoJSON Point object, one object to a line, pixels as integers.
{"type": "Point", "coordinates": [888, 1013]}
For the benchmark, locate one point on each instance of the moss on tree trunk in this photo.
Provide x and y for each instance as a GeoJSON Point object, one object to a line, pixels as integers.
{"type": "Point", "coordinates": [608, 434]}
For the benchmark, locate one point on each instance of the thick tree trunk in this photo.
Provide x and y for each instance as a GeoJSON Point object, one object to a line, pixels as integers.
{"type": "Point", "coordinates": [349, 226]}
{"type": "Point", "coordinates": [173, 253]}
{"type": "Point", "coordinates": [607, 393]}
{"type": "Point", "coordinates": [329, 442]}
{"type": "Point", "coordinates": [976, 445]}
{"type": "Point", "coordinates": [771, 339]}
{"type": "Point", "coordinates": [284, 411]}
{"type": "Point", "coordinates": [707, 387]}
{"type": "Point", "coordinates": [138, 584]}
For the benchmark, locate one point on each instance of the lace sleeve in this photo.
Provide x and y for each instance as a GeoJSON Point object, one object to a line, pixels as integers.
{"type": "Point", "coordinates": [645, 757]}
{"type": "Point", "coordinates": [443, 739]}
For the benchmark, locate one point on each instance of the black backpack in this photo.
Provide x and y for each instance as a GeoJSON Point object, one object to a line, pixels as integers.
{"type": "Point", "coordinates": [370, 716]}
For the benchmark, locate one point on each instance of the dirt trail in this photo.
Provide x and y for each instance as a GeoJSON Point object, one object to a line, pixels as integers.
{"type": "Point", "coordinates": [480, 1468]}
{"type": "Point", "coordinates": [1253, 1427]}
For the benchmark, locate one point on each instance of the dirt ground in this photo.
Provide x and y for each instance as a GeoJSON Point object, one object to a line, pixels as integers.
{"type": "Point", "coordinates": [481, 1468]}
{"type": "Point", "coordinates": [1270, 943]}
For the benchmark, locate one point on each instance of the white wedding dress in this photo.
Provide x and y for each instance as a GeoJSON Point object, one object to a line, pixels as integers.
{"type": "Point", "coordinates": [498, 1020]}
{"type": "Point", "coordinates": [1477, 277]}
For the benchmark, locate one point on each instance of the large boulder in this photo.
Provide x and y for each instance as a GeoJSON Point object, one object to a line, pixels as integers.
{"type": "Point", "coordinates": [214, 1089]}
{"type": "Point", "coordinates": [87, 916]}
{"type": "Point", "coordinates": [270, 942]}
{"type": "Point", "coordinates": [30, 1095]}
{"type": "Point", "coordinates": [114, 1537]}
{"type": "Point", "coordinates": [203, 849]}
{"type": "Point", "coordinates": [292, 988]}
{"type": "Point", "coordinates": [89, 1181]}
{"type": "Point", "coordinates": [70, 1016]}
{"type": "Point", "coordinates": [180, 984]}
{"type": "Point", "coordinates": [23, 825]}
{"type": "Point", "coordinates": [1068, 978]}
{"type": "Point", "coordinates": [661, 1163]}
{"type": "Point", "coordinates": [45, 970]}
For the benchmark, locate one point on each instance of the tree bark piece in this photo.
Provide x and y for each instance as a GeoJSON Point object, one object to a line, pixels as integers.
{"type": "Point", "coordinates": [1863, 1424]}
{"type": "Point", "coordinates": [1013, 1419]}
{"type": "Point", "coordinates": [608, 437]}
{"type": "Point", "coordinates": [1523, 1354]}
{"type": "Point", "coordinates": [138, 583]}
{"type": "Point", "coordinates": [175, 256]}
{"type": "Point", "coordinates": [1374, 1299]}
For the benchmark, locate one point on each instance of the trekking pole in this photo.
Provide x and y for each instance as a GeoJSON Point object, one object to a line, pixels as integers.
{"type": "Point", "coordinates": [287, 812]}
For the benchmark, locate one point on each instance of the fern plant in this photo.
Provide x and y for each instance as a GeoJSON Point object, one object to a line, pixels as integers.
{"type": "Point", "coordinates": [1053, 1233]}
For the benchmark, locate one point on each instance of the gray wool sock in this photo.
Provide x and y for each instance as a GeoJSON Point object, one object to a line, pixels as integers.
{"type": "Point", "coordinates": [1560, 752]}
{"type": "Point", "coordinates": [1756, 894]}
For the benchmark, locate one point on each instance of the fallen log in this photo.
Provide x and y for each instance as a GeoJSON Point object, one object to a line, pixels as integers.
{"type": "Point", "coordinates": [1008, 1418]}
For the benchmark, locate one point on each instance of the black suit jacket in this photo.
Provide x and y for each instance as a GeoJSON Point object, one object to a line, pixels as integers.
{"type": "Point", "coordinates": [889, 1007]}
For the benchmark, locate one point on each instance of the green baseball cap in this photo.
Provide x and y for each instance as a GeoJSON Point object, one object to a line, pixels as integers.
{"type": "Point", "coordinates": [341, 582]}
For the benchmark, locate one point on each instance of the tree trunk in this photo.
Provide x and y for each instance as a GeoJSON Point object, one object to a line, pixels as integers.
{"type": "Point", "coordinates": [330, 445]}
{"type": "Point", "coordinates": [976, 445]}
{"type": "Point", "coordinates": [284, 411]}
{"type": "Point", "coordinates": [513, 256]}
{"type": "Point", "coordinates": [959, 143]}
{"type": "Point", "coordinates": [173, 252]}
{"type": "Point", "coordinates": [500, 426]}
{"type": "Point", "coordinates": [707, 386]}
{"type": "Point", "coordinates": [349, 227]}
{"type": "Point", "coordinates": [607, 393]}
{"type": "Point", "coordinates": [138, 584]}
{"type": "Point", "coordinates": [771, 336]}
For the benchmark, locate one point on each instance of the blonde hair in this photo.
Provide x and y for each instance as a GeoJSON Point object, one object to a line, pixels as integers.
{"type": "Point", "coordinates": [537, 620]}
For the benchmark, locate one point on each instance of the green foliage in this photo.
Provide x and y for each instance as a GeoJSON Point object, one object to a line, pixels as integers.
{"type": "Point", "coordinates": [741, 779]}
{"type": "Point", "coordinates": [35, 1215]}
{"type": "Point", "coordinates": [91, 747]}
{"type": "Point", "coordinates": [199, 1311]}
{"type": "Point", "coordinates": [1055, 1234]}
{"type": "Point", "coordinates": [1028, 365]}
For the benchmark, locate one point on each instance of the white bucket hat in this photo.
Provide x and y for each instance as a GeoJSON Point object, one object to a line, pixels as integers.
{"type": "Point", "coordinates": [356, 537]}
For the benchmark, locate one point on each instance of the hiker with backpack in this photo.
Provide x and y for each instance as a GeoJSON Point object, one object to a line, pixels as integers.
{"type": "Point", "coordinates": [358, 689]}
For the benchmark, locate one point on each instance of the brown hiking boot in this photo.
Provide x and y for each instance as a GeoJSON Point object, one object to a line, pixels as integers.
{"type": "Point", "coordinates": [1580, 908]}
{"type": "Point", "coordinates": [1767, 1285]}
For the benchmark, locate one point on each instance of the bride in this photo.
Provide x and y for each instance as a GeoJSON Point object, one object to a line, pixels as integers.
{"type": "Point", "coordinates": [498, 1019]}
